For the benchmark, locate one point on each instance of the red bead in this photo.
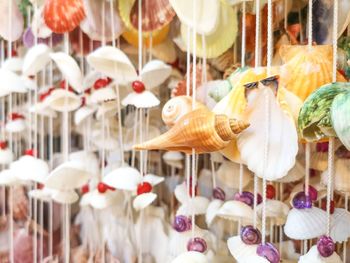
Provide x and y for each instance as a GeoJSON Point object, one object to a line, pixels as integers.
{"type": "Point", "coordinates": [83, 101]}
{"type": "Point", "coordinates": [195, 190]}
{"type": "Point", "coordinates": [101, 83]}
{"type": "Point", "coordinates": [30, 152]}
{"type": "Point", "coordinates": [270, 191]}
{"type": "Point", "coordinates": [324, 205]}
{"type": "Point", "coordinates": [143, 188]}
{"type": "Point", "coordinates": [138, 86]}
{"type": "Point", "coordinates": [40, 186]}
{"type": "Point", "coordinates": [16, 116]}
{"type": "Point", "coordinates": [102, 188]}
{"type": "Point", "coordinates": [14, 53]}
{"type": "Point", "coordinates": [3, 145]}
{"type": "Point", "coordinates": [85, 189]}
{"type": "Point", "coordinates": [63, 86]}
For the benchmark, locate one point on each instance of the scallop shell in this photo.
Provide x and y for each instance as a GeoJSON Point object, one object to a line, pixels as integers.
{"type": "Point", "coordinates": [113, 63]}
{"type": "Point", "coordinates": [218, 41]}
{"type": "Point", "coordinates": [155, 14]}
{"type": "Point", "coordinates": [6, 156]}
{"type": "Point", "coordinates": [207, 14]}
{"type": "Point", "coordinates": [11, 23]}
{"type": "Point", "coordinates": [65, 197]}
{"type": "Point", "coordinates": [295, 174]}
{"type": "Point", "coordinates": [69, 69]}
{"type": "Point", "coordinates": [43, 109]}
{"type": "Point", "coordinates": [7, 178]}
{"type": "Point", "coordinates": [276, 211]}
{"type": "Point", "coordinates": [86, 159]}
{"type": "Point", "coordinates": [200, 129]}
{"type": "Point", "coordinates": [314, 121]}
{"type": "Point", "coordinates": [30, 168]}
{"type": "Point", "coordinates": [36, 59]}
{"type": "Point", "coordinates": [212, 211]}
{"type": "Point", "coordinates": [15, 126]}
{"type": "Point", "coordinates": [123, 178]}
{"type": "Point", "coordinates": [340, 117]}
{"type": "Point", "coordinates": [38, 26]}
{"type": "Point", "coordinates": [11, 83]}
{"type": "Point", "coordinates": [165, 51]}
{"type": "Point", "coordinates": [191, 257]}
{"type": "Point", "coordinates": [228, 174]}
{"type": "Point", "coordinates": [306, 67]}
{"type": "Point", "coordinates": [41, 194]}
{"type": "Point", "coordinates": [281, 152]}
{"type": "Point", "coordinates": [177, 107]}
{"type": "Point", "coordinates": [154, 73]}
{"type": "Point", "coordinates": [13, 64]}
{"type": "Point", "coordinates": [104, 200]}
{"type": "Point", "coordinates": [103, 94]}
{"type": "Point", "coordinates": [63, 16]}
{"type": "Point", "coordinates": [144, 100]}
{"type": "Point", "coordinates": [313, 256]}
{"type": "Point", "coordinates": [63, 100]}
{"type": "Point", "coordinates": [144, 200]}
{"type": "Point", "coordinates": [197, 205]}
{"type": "Point", "coordinates": [340, 231]}
{"type": "Point", "coordinates": [341, 176]}
{"type": "Point", "coordinates": [240, 251]}
{"type": "Point", "coordinates": [236, 210]}
{"type": "Point", "coordinates": [304, 224]}
{"type": "Point", "coordinates": [83, 114]}
{"type": "Point", "coordinates": [68, 176]}
{"type": "Point", "coordinates": [153, 179]}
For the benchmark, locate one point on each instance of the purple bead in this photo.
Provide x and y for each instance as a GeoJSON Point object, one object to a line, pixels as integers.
{"type": "Point", "coordinates": [218, 193]}
{"type": "Point", "coordinates": [269, 251]}
{"type": "Point", "coordinates": [250, 235]}
{"type": "Point", "coordinates": [247, 198]}
{"type": "Point", "coordinates": [182, 223]}
{"type": "Point", "coordinates": [312, 193]}
{"type": "Point", "coordinates": [302, 201]}
{"type": "Point", "coordinates": [325, 246]}
{"type": "Point", "coordinates": [197, 244]}
{"type": "Point", "coordinates": [29, 39]}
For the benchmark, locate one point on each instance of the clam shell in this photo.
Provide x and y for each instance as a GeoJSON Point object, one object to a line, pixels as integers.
{"type": "Point", "coordinates": [63, 16]}
{"type": "Point", "coordinates": [207, 14]}
{"type": "Point", "coordinates": [142, 201]}
{"type": "Point", "coordinates": [314, 121]}
{"type": "Point", "coordinates": [197, 205]}
{"type": "Point", "coordinates": [313, 256]}
{"type": "Point", "coordinates": [144, 100]}
{"type": "Point", "coordinates": [276, 211]}
{"type": "Point", "coordinates": [6, 156]}
{"type": "Point", "coordinates": [65, 197]}
{"type": "Point", "coordinates": [7, 178]}
{"type": "Point", "coordinates": [295, 174]}
{"type": "Point", "coordinates": [191, 257]}
{"type": "Point", "coordinates": [43, 109]}
{"type": "Point", "coordinates": [341, 176]}
{"type": "Point", "coordinates": [236, 210]}
{"type": "Point", "coordinates": [304, 224]}
{"type": "Point", "coordinates": [123, 178]}
{"type": "Point", "coordinates": [103, 94]}
{"type": "Point", "coordinates": [212, 211]}
{"type": "Point", "coordinates": [240, 251]}
{"type": "Point", "coordinates": [228, 174]}
{"type": "Point", "coordinates": [41, 194]}
{"type": "Point", "coordinates": [102, 201]}
{"type": "Point", "coordinates": [304, 67]}
{"type": "Point", "coordinates": [30, 168]}
{"type": "Point", "coordinates": [13, 64]}
{"type": "Point", "coordinates": [340, 231]}
{"type": "Point", "coordinates": [218, 41]}
{"type": "Point", "coordinates": [36, 59]}
{"type": "Point", "coordinates": [113, 63]}
{"type": "Point", "coordinates": [11, 23]}
{"type": "Point", "coordinates": [15, 126]}
{"type": "Point", "coordinates": [83, 114]}
{"type": "Point", "coordinates": [154, 73]}
{"type": "Point", "coordinates": [11, 83]}
{"type": "Point", "coordinates": [69, 69]}
{"type": "Point", "coordinates": [63, 100]}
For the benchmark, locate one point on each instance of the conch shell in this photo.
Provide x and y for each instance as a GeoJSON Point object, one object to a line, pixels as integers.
{"type": "Point", "coordinates": [199, 129]}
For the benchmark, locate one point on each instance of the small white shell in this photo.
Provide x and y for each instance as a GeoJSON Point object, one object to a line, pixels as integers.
{"type": "Point", "coordinates": [104, 200]}
{"type": "Point", "coordinates": [173, 156]}
{"type": "Point", "coordinates": [341, 176]}
{"type": "Point", "coordinates": [123, 178]}
{"type": "Point", "coordinates": [35, 60]}
{"type": "Point", "coordinates": [82, 114]}
{"type": "Point", "coordinates": [6, 156]}
{"type": "Point", "coordinates": [41, 194]}
{"type": "Point", "coordinates": [63, 100]}
{"type": "Point", "coordinates": [228, 174]}
{"type": "Point", "coordinates": [295, 174]}
{"type": "Point", "coordinates": [10, 83]}
{"type": "Point", "coordinates": [30, 168]}
{"type": "Point", "coordinates": [144, 100]}
{"type": "Point", "coordinates": [180, 193]}
{"type": "Point", "coordinates": [313, 256]}
{"type": "Point", "coordinates": [153, 179]}
{"type": "Point", "coordinates": [13, 64]}
{"type": "Point", "coordinates": [143, 200]}
{"type": "Point", "coordinates": [276, 211]}
{"type": "Point", "coordinates": [113, 63]}
{"type": "Point", "coordinates": [7, 178]}
{"type": "Point", "coordinates": [69, 69]}
{"type": "Point", "coordinates": [304, 224]}
{"type": "Point", "coordinates": [239, 250]}
{"type": "Point", "coordinates": [340, 230]}
{"type": "Point", "coordinates": [197, 205]}
{"type": "Point", "coordinates": [191, 257]}
{"type": "Point", "coordinates": [154, 73]}
{"type": "Point", "coordinates": [15, 126]}
{"type": "Point", "coordinates": [212, 211]}
{"type": "Point", "coordinates": [103, 94]}
{"type": "Point", "coordinates": [236, 210]}
{"type": "Point", "coordinates": [43, 109]}
{"type": "Point", "coordinates": [86, 159]}
{"type": "Point", "coordinates": [65, 197]}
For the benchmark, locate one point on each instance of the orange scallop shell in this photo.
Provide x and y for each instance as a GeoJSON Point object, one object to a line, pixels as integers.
{"type": "Point", "coordinates": [63, 16]}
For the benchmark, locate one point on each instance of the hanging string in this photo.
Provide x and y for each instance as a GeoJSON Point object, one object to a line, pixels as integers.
{"type": "Point", "coordinates": [243, 34]}
{"type": "Point", "coordinates": [346, 203]}
{"type": "Point", "coordinates": [285, 14]}
{"type": "Point", "coordinates": [309, 24]}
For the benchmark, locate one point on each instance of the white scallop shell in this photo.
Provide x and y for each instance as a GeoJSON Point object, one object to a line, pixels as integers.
{"type": "Point", "coordinates": [69, 69]}
{"type": "Point", "coordinates": [276, 211]}
{"type": "Point", "coordinates": [341, 177]}
{"type": "Point", "coordinates": [68, 176]}
{"type": "Point", "coordinates": [7, 178]}
{"type": "Point", "coordinates": [191, 257]}
{"type": "Point", "coordinates": [13, 64]}
{"type": "Point", "coordinates": [30, 168]}
{"type": "Point", "coordinates": [236, 210]}
{"type": "Point", "coordinates": [65, 197]}
{"type": "Point", "coordinates": [154, 73]}
{"type": "Point", "coordinates": [228, 174]}
{"type": "Point", "coordinates": [63, 100]}
{"type": "Point", "coordinates": [340, 230]}
{"type": "Point", "coordinates": [113, 63]}
{"type": "Point", "coordinates": [313, 256]}
{"type": "Point", "coordinates": [43, 109]}
{"type": "Point", "coordinates": [86, 159]}
{"type": "Point", "coordinates": [144, 200]}
{"type": "Point", "coordinates": [144, 100]}
{"type": "Point", "coordinates": [10, 83]}
{"type": "Point", "coordinates": [153, 179]}
{"type": "Point", "coordinates": [282, 151]}
{"type": "Point", "coordinates": [180, 193]}
{"type": "Point", "coordinates": [103, 200]}
{"type": "Point", "coordinates": [197, 205]}
{"type": "Point", "coordinates": [41, 194]}
{"type": "Point", "coordinates": [6, 156]}
{"type": "Point", "coordinates": [172, 156]}
{"type": "Point", "coordinates": [212, 211]}
{"type": "Point", "coordinates": [15, 126]}
{"type": "Point", "coordinates": [35, 60]}
{"type": "Point", "coordinates": [295, 174]}
{"type": "Point", "coordinates": [304, 224]}
{"type": "Point", "coordinates": [103, 94]}
{"type": "Point", "coordinates": [123, 178]}
{"type": "Point", "coordinates": [239, 250]}
{"type": "Point", "coordinates": [82, 114]}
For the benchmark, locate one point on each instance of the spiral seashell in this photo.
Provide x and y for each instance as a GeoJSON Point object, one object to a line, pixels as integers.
{"type": "Point", "coordinates": [250, 235]}
{"type": "Point", "coordinates": [325, 246]}
{"type": "Point", "coordinates": [269, 251]}
{"type": "Point", "coordinates": [201, 130]}
{"type": "Point", "coordinates": [302, 201]}
{"type": "Point", "coordinates": [177, 107]}
{"type": "Point", "coordinates": [247, 198]}
{"type": "Point", "coordinates": [197, 244]}
{"type": "Point", "coordinates": [218, 193]}
{"type": "Point", "coordinates": [182, 223]}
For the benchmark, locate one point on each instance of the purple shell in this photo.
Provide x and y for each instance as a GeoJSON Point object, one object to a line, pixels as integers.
{"type": "Point", "coordinates": [325, 246]}
{"type": "Point", "coordinates": [312, 193]}
{"type": "Point", "coordinates": [218, 193]}
{"type": "Point", "coordinates": [269, 251]}
{"type": "Point", "coordinates": [29, 39]}
{"type": "Point", "coordinates": [247, 198]}
{"type": "Point", "coordinates": [302, 201]}
{"type": "Point", "coordinates": [182, 223]}
{"type": "Point", "coordinates": [197, 244]}
{"type": "Point", "coordinates": [250, 235]}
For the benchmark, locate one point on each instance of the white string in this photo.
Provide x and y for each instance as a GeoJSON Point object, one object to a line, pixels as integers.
{"type": "Point", "coordinates": [213, 173]}
{"type": "Point", "coordinates": [335, 40]}
{"type": "Point", "coordinates": [285, 14]}
{"type": "Point", "coordinates": [345, 242]}
{"type": "Point", "coordinates": [240, 189]}
{"type": "Point", "coordinates": [310, 24]}
{"type": "Point", "coordinates": [307, 168]}
{"type": "Point", "coordinates": [140, 34]}
{"type": "Point", "coordinates": [243, 34]}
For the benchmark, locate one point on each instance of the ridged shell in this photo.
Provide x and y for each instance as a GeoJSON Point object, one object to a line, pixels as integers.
{"type": "Point", "coordinates": [63, 16]}
{"type": "Point", "coordinates": [35, 59]}
{"type": "Point", "coordinates": [30, 168]}
{"type": "Point", "coordinates": [304, 224]}
{"type": "Point", "coordinates": [158, 37]}
{"type": "Point", "coordinates": [220, 40]}
{"type": "Point", "coordinates": [62, 100]}
{"type": "Point", "coordinates": [144, 200]}
{"type": "Point", "coordinates": [197, 130]}
{"type": "Point", "coordinates": [294, 174]}
{"type": "Point", "coordinates": [154, 73]}
{"type": "Point", "coordinates": [228, 174]}
{"type": "Point", "coordinates": [340, 117]}
{"type": "Point", "coordinates": [239, 250]}
{"type": "Point", "coordinates": [314, 121]}
{"type": "Point", "coordinates": [155, 14]}
{"type": "Point", "coordinates": [341, 178]}
{"type": "Point", "coordinates": [236, 210]}
{"type": "Point", "coordinates": [276, 211]}
{"type": "Point", "coordinates": [198, 205]}
{"type": "Point", "coordinates": [305, 70]}
{"type": "Point", "coordinates": [340, 230]}
{"type": "Point", "coordinates": [123, 178]}
{"type": "Point", "coordinates": [313, 256]}
{"type": "Point", "coordinates": [144, 100]}
{"type": "Point", "coordinates": [191, 257]}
